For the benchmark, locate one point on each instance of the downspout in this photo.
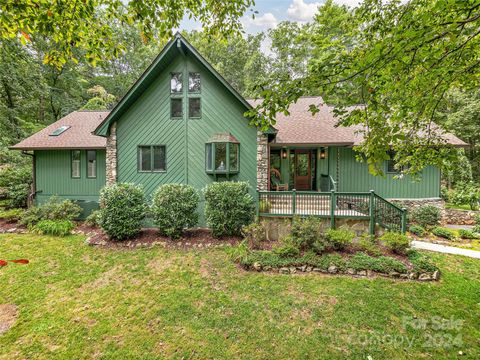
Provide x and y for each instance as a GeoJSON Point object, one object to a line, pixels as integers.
{"type": "Point", "coordinates": [33, 191]}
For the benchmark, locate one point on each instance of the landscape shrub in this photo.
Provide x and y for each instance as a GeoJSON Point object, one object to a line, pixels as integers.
{"type": "Point", "coordinates": [396, 242]}
{"type": "Point", "coordinates": [93, 219]}
{"type": "Point", "coordinates": [54, 227]}
{"type": "Point", "coordinates": [426, 216]}
{"type": "Point", "coordinates": [11, 214]}
{"type": "Point", "coordinates": [382, 264]}
{"type": "Point", "coordinates": [174, 209]}
{"type": "Point", "coordinates": [468, 234]}
{"type": "Point", "coordinates": [306, 231]}
{"type": "Point", "coordinates": [228, 207]}
{"type": "Point", "coordinates": [287, 249]}
{"type": "Point", "coordinates": [443, 233]}
{"type": "Point", "coordinates": [53, 209]}
{"type": "Point", "coordinates": [339, 239]}
{"type": "Point", "coordinates": [16, 183]}
{"type": "Point", "coordinates": [274, 260]}
{"type": "Point", "coordinates": [254, 234]}
{"type": "Point", "coordinates": [369, 245]}
{"type": "Point", "coordinates": [476, 228]}
{"type": "Point", "coordinates": [122, 211]}
{"type": "Point", "coordinates": [417, 230]}
{"type": "Point", "coordinates": [420, 262]}
{"type": "Point", "coordinates": [466, 193]}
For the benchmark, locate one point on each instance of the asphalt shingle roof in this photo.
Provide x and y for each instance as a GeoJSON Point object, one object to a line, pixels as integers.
{"type": "Point", "coordinates": [301, 127]}
{"type": "Point", "coordinates": [298, 128]}
{"type": "Point", "coordinates": [78, 136]}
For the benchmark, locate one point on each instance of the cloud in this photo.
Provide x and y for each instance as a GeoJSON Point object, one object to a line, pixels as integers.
{"type": "Point", "coordinates": [300, 11]}
{"type": "Point", "coordinates": [266, 21]}
{"type": "Point", "coordinates": [350, 3]}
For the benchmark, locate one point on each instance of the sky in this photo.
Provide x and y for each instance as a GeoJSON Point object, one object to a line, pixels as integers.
{"type": "Point", "coordinates": [271, 12]}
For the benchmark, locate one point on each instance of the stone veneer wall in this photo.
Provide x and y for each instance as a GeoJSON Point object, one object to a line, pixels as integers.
{"type": "Point", "coordinates": [262, 161]}
{"type": "Point", "coordinates": [411, 204]}
{"type": "Point", "coordinates": [460, 217]}
{"type": "Point", "coordinates": [111, 154]}
{"type": "Point", "coordinates": [277, 228]}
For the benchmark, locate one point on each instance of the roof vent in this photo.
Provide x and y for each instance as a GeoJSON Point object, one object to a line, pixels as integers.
{"type": "Point", "coordinates": [60, 130]}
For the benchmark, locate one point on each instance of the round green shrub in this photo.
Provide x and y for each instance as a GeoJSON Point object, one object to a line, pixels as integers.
{"type": "Point", "coordinates": [228, 207]}
{"type": "Point", "coordinates": [339, 239]}
{"type": "Point", "coordinates": [123, 209]}
{"type": "Point", "coordinates": [174, 209]}
{"type": "Point", "coordinates": [417, 230]}
{"type": "Point", "coordinates": [426, 216]}
{"type": "Point", "coordinates": [306, 232]}
{"type": "Point", "coordinates": [254, 234]}
{"type": "Point", "coordinates": [396, 242]}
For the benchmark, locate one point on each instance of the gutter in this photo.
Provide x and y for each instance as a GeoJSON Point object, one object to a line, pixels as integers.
{"type": "Point", "coordinates": [33, 192]}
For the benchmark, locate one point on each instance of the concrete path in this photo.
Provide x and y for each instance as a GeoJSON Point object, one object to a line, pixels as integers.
{"type": "Point", "coordinates": [456, 227]}
{"type": "Point", "coordinates": [422, 245]}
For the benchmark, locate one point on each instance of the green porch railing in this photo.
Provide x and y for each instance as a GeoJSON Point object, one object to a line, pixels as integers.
{"type": "Point", "coordinates": [333, 205]}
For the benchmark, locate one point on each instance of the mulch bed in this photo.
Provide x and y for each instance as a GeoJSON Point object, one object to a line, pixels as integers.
{"type": "Point", "coordinates": [149, 237]}
{"type": "Point", "coordinates": [7, 226]}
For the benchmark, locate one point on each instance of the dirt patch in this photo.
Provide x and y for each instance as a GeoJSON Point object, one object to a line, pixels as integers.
{"type": "Point", "coordinates": [8, 316]}
{"type": "Point", "coordinates": [195, 238]}
{"type": "Point", "coordinates": [8, 226]}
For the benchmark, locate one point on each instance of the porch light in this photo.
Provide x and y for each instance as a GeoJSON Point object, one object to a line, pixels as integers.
{"type": "Point", "coordinates": [284, 153]}
{"type": "Point", "coordinates": [323, 154]}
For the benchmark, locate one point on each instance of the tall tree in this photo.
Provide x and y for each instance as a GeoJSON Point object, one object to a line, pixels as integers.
{"type": "Point", "coordinates": [237, 58]}
{"type": "Point", "coordinates": [405, 58]}
{"type": "Point", "coordinates": [86, 24]}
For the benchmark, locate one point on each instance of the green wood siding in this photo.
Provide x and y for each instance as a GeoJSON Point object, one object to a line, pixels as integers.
{"type": "Point", "coordinates": [148, 122]}
{"type": "Point", "coordinates": [353, 176]}
{"type": "Point", "coordinates": [53, 177]}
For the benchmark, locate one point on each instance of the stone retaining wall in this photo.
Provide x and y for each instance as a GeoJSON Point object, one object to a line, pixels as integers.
{"type": "Point", "coordinates": [460, 217]}
{"type": "Point", "coordinates": [279, 227]}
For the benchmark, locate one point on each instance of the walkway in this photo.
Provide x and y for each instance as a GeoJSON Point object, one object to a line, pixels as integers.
{"type": "Point", "coordinates": [422, 245]}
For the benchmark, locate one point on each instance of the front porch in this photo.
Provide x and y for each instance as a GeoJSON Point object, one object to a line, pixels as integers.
{"type": "Point", "coordinates": [333, 205]}
{"type": "Point", "coordinates": [302, 169]}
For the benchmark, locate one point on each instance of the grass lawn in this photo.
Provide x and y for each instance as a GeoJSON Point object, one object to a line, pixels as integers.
{"type": "Point", "coordinates": [77, 301]}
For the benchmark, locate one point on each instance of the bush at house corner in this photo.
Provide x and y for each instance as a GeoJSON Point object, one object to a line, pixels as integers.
{"type": "Point", "coordinates": [174, 209]}
{"type": "Point", "coordinates": [123, 208]}
{"type": "Point", "coordinates": [228, 207]}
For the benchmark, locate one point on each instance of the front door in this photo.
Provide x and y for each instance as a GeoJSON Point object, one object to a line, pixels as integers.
{"type": "Point", "coordinates": [303, 170]}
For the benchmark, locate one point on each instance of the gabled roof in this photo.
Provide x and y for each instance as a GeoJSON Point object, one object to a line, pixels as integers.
{"type": "Point", "coordinates": [77, 136]}
{"type": "Point", "coordinates": [174, 46]}
{"type": "Point", "coordinates": [303, 128]}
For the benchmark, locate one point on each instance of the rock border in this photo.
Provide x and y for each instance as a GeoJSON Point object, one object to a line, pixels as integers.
{"type": "Point", "coordinates": [131, 244]}
{"type": "Point", "coordinates": [333, 270]}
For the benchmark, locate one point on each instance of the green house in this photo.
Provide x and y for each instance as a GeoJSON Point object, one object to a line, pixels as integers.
{"type": "Point", "coordinates": [181, 122]}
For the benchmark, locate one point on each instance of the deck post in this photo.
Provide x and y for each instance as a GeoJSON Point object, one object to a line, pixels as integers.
{"type": "Point", "coordinates": [404, 221]}
{"type": "Point", "coordinates": [294, 202]}
{"type": "Point", "coordinates": [332, 209]}
{"type": "Point", "coordinates": [371, 212]}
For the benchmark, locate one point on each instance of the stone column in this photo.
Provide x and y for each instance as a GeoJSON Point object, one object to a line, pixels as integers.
{"type": "Point", "coordinates": [111, 153]}
{"type": "Point", "coordinates": [262, 161]}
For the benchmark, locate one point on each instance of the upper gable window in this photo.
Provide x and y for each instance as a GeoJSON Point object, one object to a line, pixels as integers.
{"type": "Point", "coordinates": [194, 82]}
{"type": "Point", "coordinates": [176, 83]}
{"type": "Point", "coordinates": [176, 108]}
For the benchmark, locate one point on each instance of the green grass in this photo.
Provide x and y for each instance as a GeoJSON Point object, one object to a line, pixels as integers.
{"type": "Point", "coordinates": [81, 302]}
{"type": "Point", "coordinates": [458, 206]}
